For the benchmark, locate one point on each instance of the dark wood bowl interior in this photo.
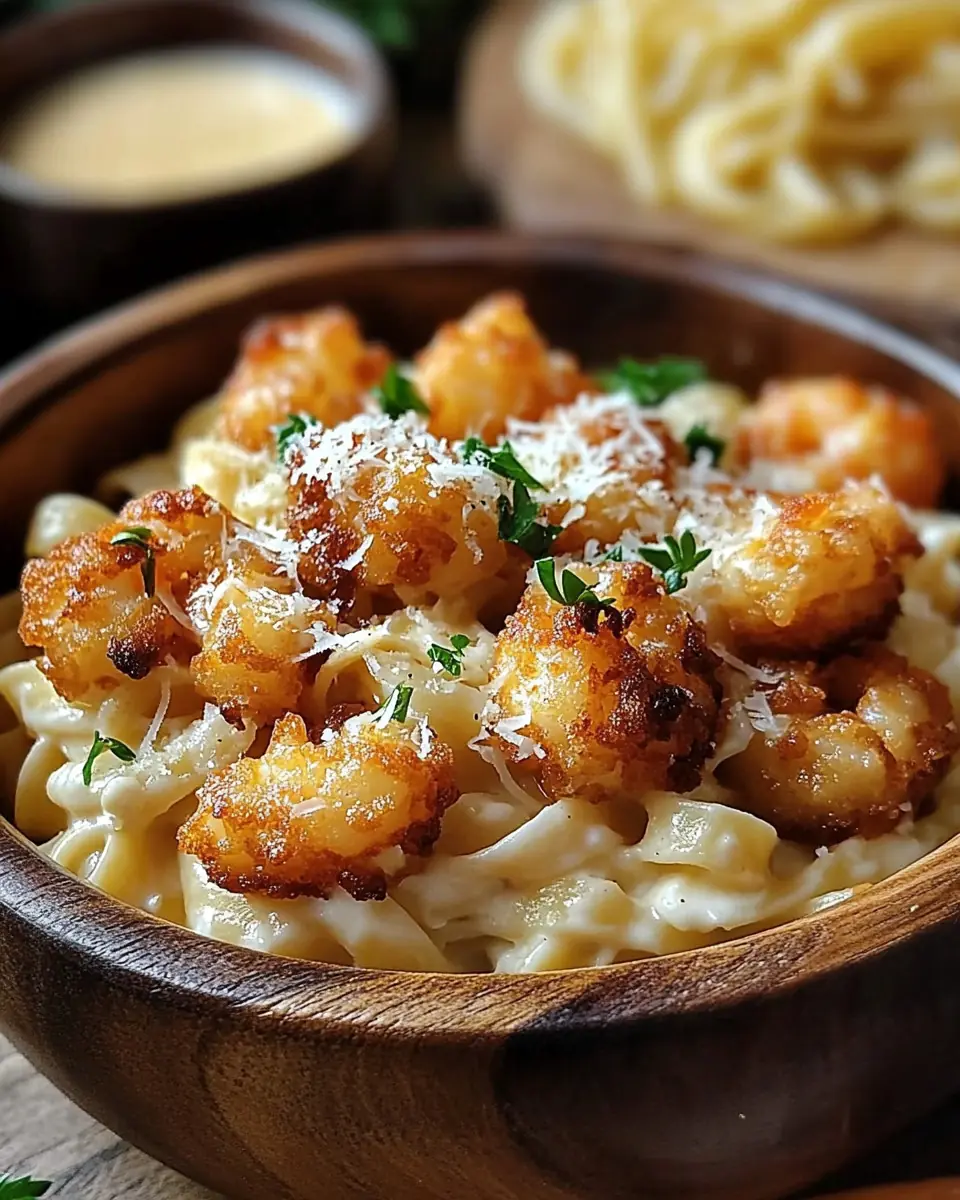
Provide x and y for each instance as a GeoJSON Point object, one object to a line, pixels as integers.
{"type": "Point", "coordinates": [739, 1072]}
{"type": "Point", "coordinates": [66, 256]}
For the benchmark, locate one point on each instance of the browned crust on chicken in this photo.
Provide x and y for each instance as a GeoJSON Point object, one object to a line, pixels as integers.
{"type": "Point", "coordinates": [869, 739]}
{"type": "Point", "coordinates": [491, 365]}
{"type": "Point", "coordinates": [620, 705]}
{"type": "Point", "coordinates": [313, 362]}
{"type": "Point", "coordinates": [374, 791]}
{"type": "Point", "coordinates": [85, 603]}
{"type": "Point", "coordinates": [827, 574]}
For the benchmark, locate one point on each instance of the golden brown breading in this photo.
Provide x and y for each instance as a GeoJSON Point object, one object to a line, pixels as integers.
{"type": "Point", "coordinates": [824, 571]}
{"type": "Point", "coordinates": [617, 704]}
{"type": "Point", "coordinates": [307, 817]}
{"type": "Point", "coordinates": [838, 429]}
{"type": "Point", "coordinates": [313, 362]}
{"type": "Point", "coordinates": [256, 631]}
{"type": "Point", "coordinates": [491, 365]}
{"type": "Point", "coordinates": [382, 506]}
{"type": "Point", "coordinates": [604, 456]}
{"type": "Point", "coordinates": [85, 603]}
{"type": "Point", "coordinates": [868, 739]}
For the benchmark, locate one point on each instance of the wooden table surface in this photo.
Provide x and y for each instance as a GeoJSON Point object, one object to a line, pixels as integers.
{"type": "Point", "coordinates": [43, 1134]}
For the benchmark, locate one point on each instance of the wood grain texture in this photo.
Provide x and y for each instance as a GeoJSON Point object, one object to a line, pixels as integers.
{"type": "Point", "coordinates": [43, 1134]}
{"type": "Point", "coordinates": [548, 181]}
{"type": "Point", "coordinates": [740, 1072]}
{"type": "Point", "coordinates": [46, 1135]}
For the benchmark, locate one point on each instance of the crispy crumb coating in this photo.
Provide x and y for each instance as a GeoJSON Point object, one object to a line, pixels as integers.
{"type": "Point", "coordinates": [393, 511]}
{"type": "Point", "coordinates": [491, 365]}
{"type": "Point", "coordinates": [308, 817]}
{"type": "Point", "coordinates": [257, 633]}
{"type": "Point", "coordinates": [616, 464]}
{"type": "Point", "coordinates": [619, 703]}
{"type": "Point", "coordinates": [85, 603]}
{"type": "Point", "coordinates": [826, 570]}
{"type": "Point", "coordinates": [239, 621]}
{"type": "Point", "coordinates": [867, 739]}
{"type": "Point", "coordinates": [313, 362]}
{"type": "Point", "coordinates": [838, 429]}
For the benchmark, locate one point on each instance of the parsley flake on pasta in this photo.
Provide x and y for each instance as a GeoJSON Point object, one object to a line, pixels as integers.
{"type": "Point", "coordinates": [450, 659]}
{"type": "Point", "coordinates": [104, 745]}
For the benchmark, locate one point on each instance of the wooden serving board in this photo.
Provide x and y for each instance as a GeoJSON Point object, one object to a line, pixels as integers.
{"type": "Point", "coordinates": [547, 181]}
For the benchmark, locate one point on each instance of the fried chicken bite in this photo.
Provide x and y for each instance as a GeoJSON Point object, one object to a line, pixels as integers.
{"type": "Point", "coordinates": [605, 463]}
{"type": "Point", "coordinates": [382, 506]}
{"type": "Point", "coordinates": [311, 816]}
{"type": "Point", "coordinates": [314, 362]}
{"type": "Point", "coordinates": [491, 365]}
{"type": "Point", "coordinates": [817, 572]}
{"type": "Point", "coordinates": [605, 702]}
{"type": "Point", "coordinates": [101, 609]}
{"type": "Point", "coordinates": [866, 739]}
{"type": "Point", "coordinates": [257, 633]}
{"type": "Point", "coordinates": [837, 429]}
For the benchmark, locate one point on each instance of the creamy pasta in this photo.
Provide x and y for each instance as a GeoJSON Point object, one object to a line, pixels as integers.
{"type": "Point", "coordinates": [795, 120]}
{"type": "Point", "coordinates": [483, 663]}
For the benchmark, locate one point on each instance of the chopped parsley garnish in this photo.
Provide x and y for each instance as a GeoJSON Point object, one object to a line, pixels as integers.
{"type": "Point", "coordinates": [451, 660]}
{"type": "Point", "coordinates": [24, 1188]}
{"type": "Point", "coordinates": [518, 523]}
{"type": "Point", "coordinates": [700, 438]}
{"type": "Point", "coordinates": [139, 537]}
{"type": "Point", "coordinates": [501, 460]}
{"type": "Point", "coordinates": [651, 383]}
{"type": "Point", "coordinates": [102, 745]}
{"type": "Point", "coordinates": [675, 560]}
{"type": "Point", "coordinates": [296, 425]}
{"type": "Point", "coordinates": [517, 517]}
{"type": "Point", "coordinates": [571, 589]}
{"type": "Point", "coordinates": [396, 706]}
{"type": "Point", "coordinates": [614, 554]}
{"type": "Point", "coordinates": [396, 395]}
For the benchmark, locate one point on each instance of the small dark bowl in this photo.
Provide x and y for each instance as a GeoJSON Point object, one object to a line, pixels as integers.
{"type": "Point", "coordinates": [64, 256]}
{"type": "Point", "coordinates": [738, 1072]}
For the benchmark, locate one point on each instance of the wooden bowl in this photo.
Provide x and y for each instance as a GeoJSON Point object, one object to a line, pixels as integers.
{"type": "Point", "coordinates": [934, 1189]}
{"type": "Point", "coordinates": [738, 1072]}
{"type": "Point", "coordinates": [65, 256]}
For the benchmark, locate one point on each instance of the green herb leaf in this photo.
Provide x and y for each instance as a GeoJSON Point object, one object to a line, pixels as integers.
{"type": "Point", "coordinates": [675, 560]}
{"type": "Point", "coordinates": [396, 706]}
{"type": "Point", "coordinates": [24, 1188]}
{"type": "Point", "coordinates": [614, 554]}
{"type": "Point", "coordinates": [571, 589]}
{"type": "Point", "coordinates": [296, 425]}
{"type": "Point", "coordinates": [450, 660]}
{"type": "Point", "coordinates": [700, 438]}
{"type": "Point", "coordinates": [500, 460]}
{"type": "Point", "coordinates": [518, 523]}
{"type": "Point", "coordinates": [397, 395]}
{"type": "Point", "coordinates": [101, 745]}
{"type": "Point", "coordinates": [393, 23]}
{"type": "Point", "coordinates": [139, 536]}
{"type": "Point", "coordinates": [651, 383]}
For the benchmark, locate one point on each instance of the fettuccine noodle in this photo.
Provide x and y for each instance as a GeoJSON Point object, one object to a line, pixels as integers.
{"type": "Point", "coordinates": [794, 120]}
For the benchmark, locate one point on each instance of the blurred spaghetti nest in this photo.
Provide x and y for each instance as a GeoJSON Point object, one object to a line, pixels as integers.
{"type": "Point", "coordinates": [797, 120]}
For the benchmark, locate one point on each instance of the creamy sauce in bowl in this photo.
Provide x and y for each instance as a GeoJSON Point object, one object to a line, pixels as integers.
{"type": "Point", "coordinates": [178, 124]}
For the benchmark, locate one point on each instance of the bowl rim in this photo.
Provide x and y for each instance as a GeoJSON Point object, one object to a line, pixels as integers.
{"type": "Point", "coordinates": [148, 953]}
{"type": "Point", "coordinates": [319, 24]}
